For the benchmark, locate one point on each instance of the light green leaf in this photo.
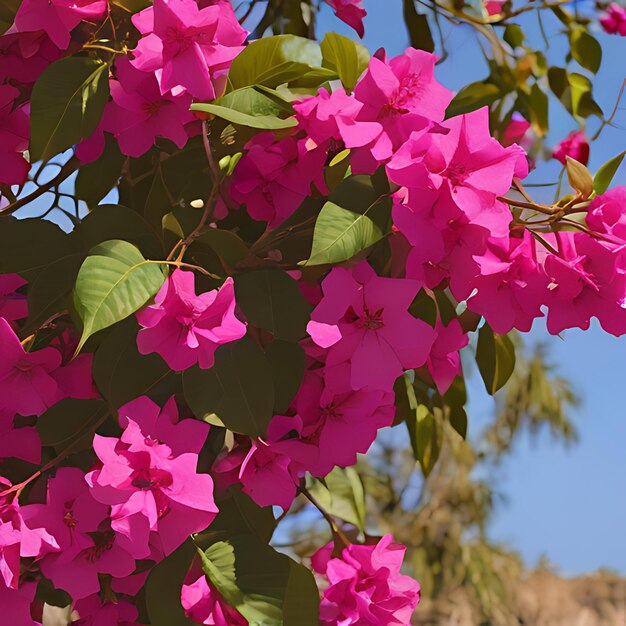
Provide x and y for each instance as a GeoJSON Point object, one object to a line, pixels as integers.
{"type": "Point", "coordinates": [341, 234]}
{"type": "Point", "coordinates": [66, 105]}
{"type": "Point", "coordinates": [605, 174]}
{"type": "Point", "coordinates": [114, 281]}
{"type": "Point", "coordinates": [585, 49]}
{"type": "Point", "coordinates": [495, 355]}
{"type": "Point", "coordinates": [347, 58]}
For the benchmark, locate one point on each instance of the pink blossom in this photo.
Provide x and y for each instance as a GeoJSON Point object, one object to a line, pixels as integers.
{"type": "Point", "coordinates": [25, 56]}
{"type": "Point", "coordinates": [26, 386]}
{"type": "Point", "coordinates": [13, 305]}
{"type": "Point", "coordinates": [379, 337]}
{"type": "Point", "coordinates": [139, 113]}
{"type": "Point", "coordinates": [607, 216]}
{"type": "Point", "coordinates": [444, 362]}
{"type": "Point", "coordinates": [494, 7]}
{"type": "Point", "coordinates": [575, 145]}
{"type": "Point", "coordinates": [185, 328]}
{"type": "Point", "coordinates": [156, 496]}
{"type": "Point", "coordinates": [16, 604]}
{"type": "Point", "coordinates": [274, 177]}
{"type": "Point", "coordinates": [351, 12]}
{"type": "Point", "coordinates": [80, 526]}
{"type": "Point", "coordinates": [204, 604]}
{"type": "Point", "coordinates": [516, 130]}
{"type": "Point", "coordinates": [57, 18]}
{"type": "Point", "coordinates": [14, 134]}
{"type": "Point", "coordinates": [18, 443]}
{"type": "Point", "coordinates": [366, 586]}
{"type": "Point", "coordinates": [614, 19]}
{"type": "Point", "coordinates": [189, 48]}
{"type": "Point", "coordinates": [94, 612]}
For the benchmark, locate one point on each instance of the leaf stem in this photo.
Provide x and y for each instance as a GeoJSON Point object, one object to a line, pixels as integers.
{"type": "Point", "coordinates": [336, 531]}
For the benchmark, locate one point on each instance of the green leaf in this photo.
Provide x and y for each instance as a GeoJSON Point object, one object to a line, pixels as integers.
{"type": "Point", "coordinates": [225, 243]}
{"type": "Point", "coordinates": [68, 420]}
{"type": "Point", "coordinates": [95, 180]}
{"type": "Point", "coordinates": [472, 97]}
{"type": "Point", "coordinates": [417, 25]}
{"type": "Point", "coordinates": [114, 281]}
{"type": "Point", "coordinates": [341, 234]}
{"type": "Point", "coordinates": [574, 92]}
{"type": "Point", "coordinates": [538, 109]}
{"type": "Point", "coordinates": [164, 585]}
{"type": "Point", "coordinates": [272, 61]}
{"type": "Point", "coordinates": [341, 494]}
{"type": "Point", "coordinates": [495, 355]}
{"type": "Point", "coordinates": [121, 373]}
{"type": "Point", "coordinates": [272, 300]}
{"type": "Point", "coordinates": [66, 105]}
{"type": "Point", "coordinates": [579, 177]}
{"type": "Point", "coordinates": [605, 174]}
{"type": "Point", "coordinates": [288, 361]}
{"type": "Point", "coordinates": [347, 58]}
{"type": "Point", "coordinates": [585, 49]}
{"type": "Point", "coordinates": [513, 35]}
{"type": "Point", "coordinates": [249, 107]}
{"type": "Point", "coordinates": [8, 9]}
{"type": "Point", "coordinates": [239, 388]}
{"type": "Point", "coordinates": [266, 587]}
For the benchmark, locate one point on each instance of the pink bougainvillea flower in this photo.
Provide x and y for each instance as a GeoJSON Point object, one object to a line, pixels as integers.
{"type": "Point", "coordinates": [444, 362]}
{"type": "Point", "coordinates": [515, 131]}
{"type": "Point", "coordinates": [351, 12]}
{"type": "Point", "coordinates": [613, 21]}
{"type": "Point", "coordinates": [16, 604]}
{"type": "Point", "coordinates": [189, 48]}
{"type": "Point", "coordinates": [26, 386]}
{"type": "Point", "coordinates": [13, 305]}
{"type": "Point", "coordinates": [18, 443]}
{"type": "Point", "coordinates": [155, 496]}
{"type": "Point", "coordinates": [92, 611]}
{"type": "Point", "coordinates": [575, 145]}
{"type": "Point", "coordinates": [138, 113]}
{"type": "Point", "coordinates": [25, 56]}
{"type": "Point", "coordinates": [18, 537]}
{"type": "Point", "coordinates": [80, 526]}
{"type": "Point", "coordinates": [14, 134]}
{"type": "Point", "coordinates": [365, 585]}
{"type": "Point", "coordinates": [57, 18]}
{"type": "Point", "coordinates": [379, 337]}
{"type": "Point", "coordinates": [204, 604]}
{"type": "Point", "coordinates": [274, 177]}
{"type": "Point", "coordinates": [185, 328]}
{"type": "Point", "coordinates": [607, 216]}
{"type": "Point", "coordinates": [494, 7]}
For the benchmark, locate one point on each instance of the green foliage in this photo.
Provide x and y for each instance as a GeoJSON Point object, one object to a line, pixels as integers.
{"type": "Point", "coordinates": [585, 49]}
{"type": "Point", "coordinates": [114, 281]}
{"type": "Point", "coordinates": [347, 58]}
{"type": "Point", "coordinates": [495, 355]}
{"type": "Point", "coordinates": [66, 105]}
{"type": "Point", "coordinates": [287, 361]}
{"type": "Point", "coordinates": [472, 97]}
{"type": "Point", "coordinates": [417, 25]}
{"type": "Point", "coordinates": [606, 173]}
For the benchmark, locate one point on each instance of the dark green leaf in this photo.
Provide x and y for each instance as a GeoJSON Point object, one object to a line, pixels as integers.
{"type": "Point", "coordinates": [495, 355]}
{"type": "Point", "coordinates": [239, 388]}
{"type": "Point", "coordinates": [472, 97]}
{"type": "Point", "coordinates": [574, 92]}
{"type": "Point", "coordinates": [8, 9]}
{"type": "Point", "coordinates": [513, 35]}
{"type": "Point", "coordinates": [417, 25]}
{"type": "Point", "coordinates": [272, 300]}
{"type": "Point", "coordinates": [605, 174]}
{"type": "Point", "coordinates": [114, 281]}
{"type": "Point", "coordinates": [287, 361]}
{"type": "Point", "coordinates": [538, 109]}
{"type": "Point", "coordinates": [225, 243]}
{"type": "Point", "coordinates": [164, 586]}
{"type": "Point", "coordinates": [585, 49]}
{"type": "Point", "coordinates": [95, 180]}
{"type": "Point", "coordinates": [66, 105]}
{"type": "Point", "coordinates": [68, 420]}
{"type": "Point", "coordinates": [347, 58]}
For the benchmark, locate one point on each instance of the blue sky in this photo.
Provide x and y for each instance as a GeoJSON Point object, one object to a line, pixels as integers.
{"type": "Point", "coordinates": [565, 504]}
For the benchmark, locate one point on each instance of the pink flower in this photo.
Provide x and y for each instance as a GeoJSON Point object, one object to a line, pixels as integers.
{"type": "Point", "coordinates": [188, 48]}
{"type": "Point", "coordinates": [274, 177]}
{"type": "Point", "coordinates": [25, 56]}
{"type": "Point", "coordinates": [516, 130]}
{"type": "Point", "coordinates": [16, 603]}
{"type": "Point", "coordinates": [614, 20]}
{"type": "Point", "coordinates": [366, 586]}
{"type": "Point", "coordinates": [351, 12]}
{"type": "Point", "coordinates": [204, 604]}
{"type": "Point", "coordinates": [444, 362]}
{"type": "Point", "coordinates": [494, 7]}
{"type": "Point", "coordinates": [80, 526]}
{"type": "Point", "coordinates": [94, 612]}
{"type": "Point", "coordinates": [185, 328]}
{"type": "Point", "coordinates": [575, 145]}
{"type": "Point", "coordinates": [363, 319]}
{"type": "Point", "coordinates": [18, 443]}
{"type": "Point", "coordinates": [157, 497]}
{"type": "Point", "coordinates": [57, 18]}
{"type": "Point", "coordinates": [26, 386]}
{"type": "Point", "coordinates": [14, 134]}
{"type": "Point", "coordinates": [139, 113]}
{"type": "Point", "coordinates": [13, 305]}
{"type": "Point", "coordinates": [607, 215]}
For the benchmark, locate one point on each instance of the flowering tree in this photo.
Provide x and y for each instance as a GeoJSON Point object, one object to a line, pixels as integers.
{"type": "Point", "coordinates": [305, 239]}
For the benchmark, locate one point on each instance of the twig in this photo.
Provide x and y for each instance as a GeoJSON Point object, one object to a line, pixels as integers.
{"type": "Point", "coordinates": [331, 522]}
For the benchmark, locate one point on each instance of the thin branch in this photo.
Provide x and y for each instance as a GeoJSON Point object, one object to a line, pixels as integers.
{"type": "Point", "coordinates": [331, 522]}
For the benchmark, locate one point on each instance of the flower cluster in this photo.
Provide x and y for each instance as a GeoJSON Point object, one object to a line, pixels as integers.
{"type": "Point", "coordinates": [613, 21]}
